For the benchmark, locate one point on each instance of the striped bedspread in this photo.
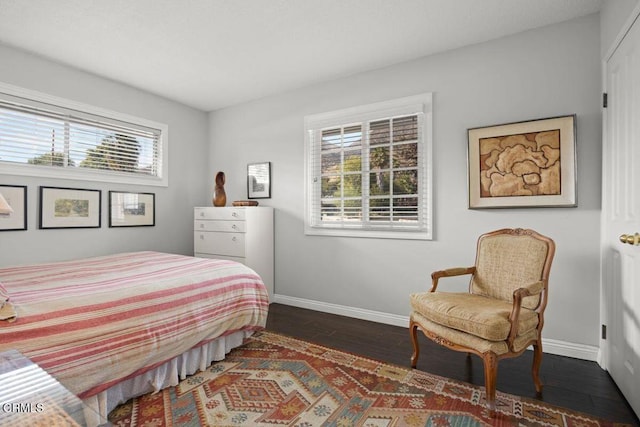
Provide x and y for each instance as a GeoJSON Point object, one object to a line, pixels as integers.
{"type": "Point", "coordinates": [92, 323]}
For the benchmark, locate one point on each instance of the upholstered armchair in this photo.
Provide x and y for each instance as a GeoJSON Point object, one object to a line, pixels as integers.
{"type": "Point", "coordinates": [503, 311]}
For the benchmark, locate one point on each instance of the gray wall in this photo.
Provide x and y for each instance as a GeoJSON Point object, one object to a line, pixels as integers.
{"type": "Point", "coordinates": [613, 16]}
{"type": "Point", "coordinates": [188, 151]}
{"type": "Point", "coordinates": [542, 73]}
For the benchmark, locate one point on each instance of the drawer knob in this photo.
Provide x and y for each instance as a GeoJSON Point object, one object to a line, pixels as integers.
{"type": "Point", "coordinates": [202, 237]}
{"type": "Point", "coordinates": [234, 214]}
{"type": "Point", "coordinates": [235, 227]}
{"type": "Point", "coordinates": [233, 238]}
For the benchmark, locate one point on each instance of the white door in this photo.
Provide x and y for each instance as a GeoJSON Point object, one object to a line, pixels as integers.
{"type": "Point", "coordinates": [621, 218]}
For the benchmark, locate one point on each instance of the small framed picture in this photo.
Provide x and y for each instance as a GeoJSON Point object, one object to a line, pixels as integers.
{"type": "Point", "coordinates": [132, 209]}
{"type": "Point", "coordinates": [70, 208]}
{"type": "Point", "coordinates": [13, 207]}
{"type": "Point", "coordinates": [259, 180]}
{"type": "Point", "coordinates": [524, 164]}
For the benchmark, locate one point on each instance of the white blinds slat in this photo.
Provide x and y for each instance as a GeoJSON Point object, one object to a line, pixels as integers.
{"type": "Point", "coordinates": [369, 174]}
{"type": "Point", "coordinates": [37, 133]}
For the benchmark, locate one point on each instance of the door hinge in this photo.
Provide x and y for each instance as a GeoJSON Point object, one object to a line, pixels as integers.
{"type": "Point", "coordinates": [604, 100]}
{"type": "Point", "coordinates": [604, 332]}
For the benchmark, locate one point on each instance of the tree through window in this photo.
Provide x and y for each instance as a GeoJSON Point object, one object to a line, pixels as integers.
{"type": "Point", "coordinates": [370, 171]}
{"type": "Point", "coordinates": [52, 139]}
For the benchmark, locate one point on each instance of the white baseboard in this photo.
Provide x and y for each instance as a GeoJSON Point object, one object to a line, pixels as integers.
{"type": "Point", "coordinates": [342, 310]}
{"type": "Point", "coordinates": [560, 348]}
{"type": "Point", "coordinates": [569, 349]}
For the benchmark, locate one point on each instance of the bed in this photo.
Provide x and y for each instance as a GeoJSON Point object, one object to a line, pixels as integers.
{"type": "Point", "coordinates": [113, 327]}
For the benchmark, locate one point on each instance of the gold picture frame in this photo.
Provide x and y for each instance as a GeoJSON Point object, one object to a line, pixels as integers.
{"type": "Point", "coordinates": [523, 164]}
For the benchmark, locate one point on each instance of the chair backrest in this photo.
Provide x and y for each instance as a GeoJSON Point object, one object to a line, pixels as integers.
{"type": "Point", "coordinates": [508, 259]}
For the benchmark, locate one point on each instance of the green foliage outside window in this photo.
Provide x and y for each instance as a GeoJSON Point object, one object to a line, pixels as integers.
{"type": "Point", "coordinates": [51, 159]}
{"type": "Point", "coordinates": [115, 152]}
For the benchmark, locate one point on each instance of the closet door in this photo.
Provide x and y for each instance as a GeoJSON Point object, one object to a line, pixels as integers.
{"type": "Point", "coordinates": [620, 343]}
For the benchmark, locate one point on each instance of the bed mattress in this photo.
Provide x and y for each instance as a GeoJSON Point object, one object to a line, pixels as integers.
{"type": "Point", "coordinates": [96, 322]}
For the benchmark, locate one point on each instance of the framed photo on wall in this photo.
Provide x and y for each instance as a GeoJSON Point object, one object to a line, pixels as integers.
{"type": "Point", "coordinates": [259, 180]}
{"type": "Point", "coordinates": [524, 164]}
{"type": "Point", "coordinates": [13, 207]}
{"type": "Point", "coordinates": [132, 209]}
{"type": "Point", "coordinates": [70, 208]}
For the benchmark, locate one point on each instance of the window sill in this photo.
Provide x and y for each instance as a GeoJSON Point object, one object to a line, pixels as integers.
{"type": "Point", "coordinates": [81, 174]}
{"type": "Point", "coordinates": [375, 234]}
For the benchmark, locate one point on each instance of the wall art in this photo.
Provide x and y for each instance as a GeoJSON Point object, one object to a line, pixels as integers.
{"type": "Point", "coordinates": [524, 164]}
{"type": "Point", "coordinates": [132, 209]}
{"type": "Point", "coordinates": [70, 208]}
{"type": "Point", "coordinates": [259, 180]}
{"type": "Point", "coordinates": [13, 207]}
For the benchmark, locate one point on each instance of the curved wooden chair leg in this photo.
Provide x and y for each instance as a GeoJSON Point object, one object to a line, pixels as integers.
{"type": "Point", "coordinates": [535, 369]}
{"type": "Point", "coordinates": [413, 330]}
{"type": "Point", "coordinates": [490, 376]}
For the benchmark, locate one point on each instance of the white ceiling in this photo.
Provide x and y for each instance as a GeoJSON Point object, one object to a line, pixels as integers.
{"type": "Point", "coordinates": [210, 54]}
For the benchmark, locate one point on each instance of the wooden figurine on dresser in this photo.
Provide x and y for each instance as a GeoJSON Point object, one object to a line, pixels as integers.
{"type": "Point", "coordinates": [219, 195]}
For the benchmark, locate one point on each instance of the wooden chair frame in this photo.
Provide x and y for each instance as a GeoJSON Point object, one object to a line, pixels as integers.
{"type": "Point", "coordinates": [490, 359]}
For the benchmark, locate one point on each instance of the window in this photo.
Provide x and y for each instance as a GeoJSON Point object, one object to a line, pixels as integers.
{"type": "Point", "coordinates": [368, 170]}
{"type": "Point", "coordinates": [45, 136]}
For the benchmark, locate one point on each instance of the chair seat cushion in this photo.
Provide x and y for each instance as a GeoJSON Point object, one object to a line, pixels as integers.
{"type": "Point", "coordinates": [484, 317]}
{"type": "Point", "coordinates": [447, 336]}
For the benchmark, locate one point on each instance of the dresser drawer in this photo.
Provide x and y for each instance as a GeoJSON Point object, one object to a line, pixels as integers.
{"type": "Point", "coordinates": [212, 225]}
{"type": "Point", "coordinates": [215, 242]}
{"type": "Point", "coordinates": [218, 256]}
{"type": "Point", "coordinates": [228, 214]}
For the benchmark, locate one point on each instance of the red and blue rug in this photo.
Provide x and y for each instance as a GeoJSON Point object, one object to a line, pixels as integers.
{"type": "Point", "coordinates": [275, 380]}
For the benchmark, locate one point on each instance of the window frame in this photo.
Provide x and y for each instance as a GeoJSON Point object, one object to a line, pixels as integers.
{"type": "Point", "coordinates": [89, 174]}
{"type": "Point", "coordinates": [420, 105]}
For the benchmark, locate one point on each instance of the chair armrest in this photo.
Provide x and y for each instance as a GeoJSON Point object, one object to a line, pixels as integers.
{"type": "Point", "coordinates": [449, 272]}
{"type": "Point", "coordinates": [531, 289]}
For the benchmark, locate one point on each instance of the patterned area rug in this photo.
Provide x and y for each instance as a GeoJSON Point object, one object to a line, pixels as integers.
{"type": "Point", "coordinates": [275, 380]}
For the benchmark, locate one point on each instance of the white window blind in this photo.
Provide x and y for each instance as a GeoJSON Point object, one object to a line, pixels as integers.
{"type": "Point", "coordinates": [46, 137]}
{"type": "Point", "coordinates": [368, 170]}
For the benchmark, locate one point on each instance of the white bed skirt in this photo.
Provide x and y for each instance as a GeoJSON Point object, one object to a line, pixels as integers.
{"type": "Point", "coordinates": [166, 375]}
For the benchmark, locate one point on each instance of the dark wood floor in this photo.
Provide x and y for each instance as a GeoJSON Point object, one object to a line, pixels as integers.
{"type": "Point", "coordinates": [571, 383]}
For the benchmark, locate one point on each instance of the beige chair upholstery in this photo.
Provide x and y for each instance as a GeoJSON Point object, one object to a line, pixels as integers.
{"type": "Point", "coordinates": [503, 311]}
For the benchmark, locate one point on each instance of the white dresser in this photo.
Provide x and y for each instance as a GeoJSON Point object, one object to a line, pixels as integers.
{"type": "Point", "coordinates": [243, 234]}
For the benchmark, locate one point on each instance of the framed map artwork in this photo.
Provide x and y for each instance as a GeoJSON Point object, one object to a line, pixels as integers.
{"type": "Point", "coordinates": [524, 164]}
